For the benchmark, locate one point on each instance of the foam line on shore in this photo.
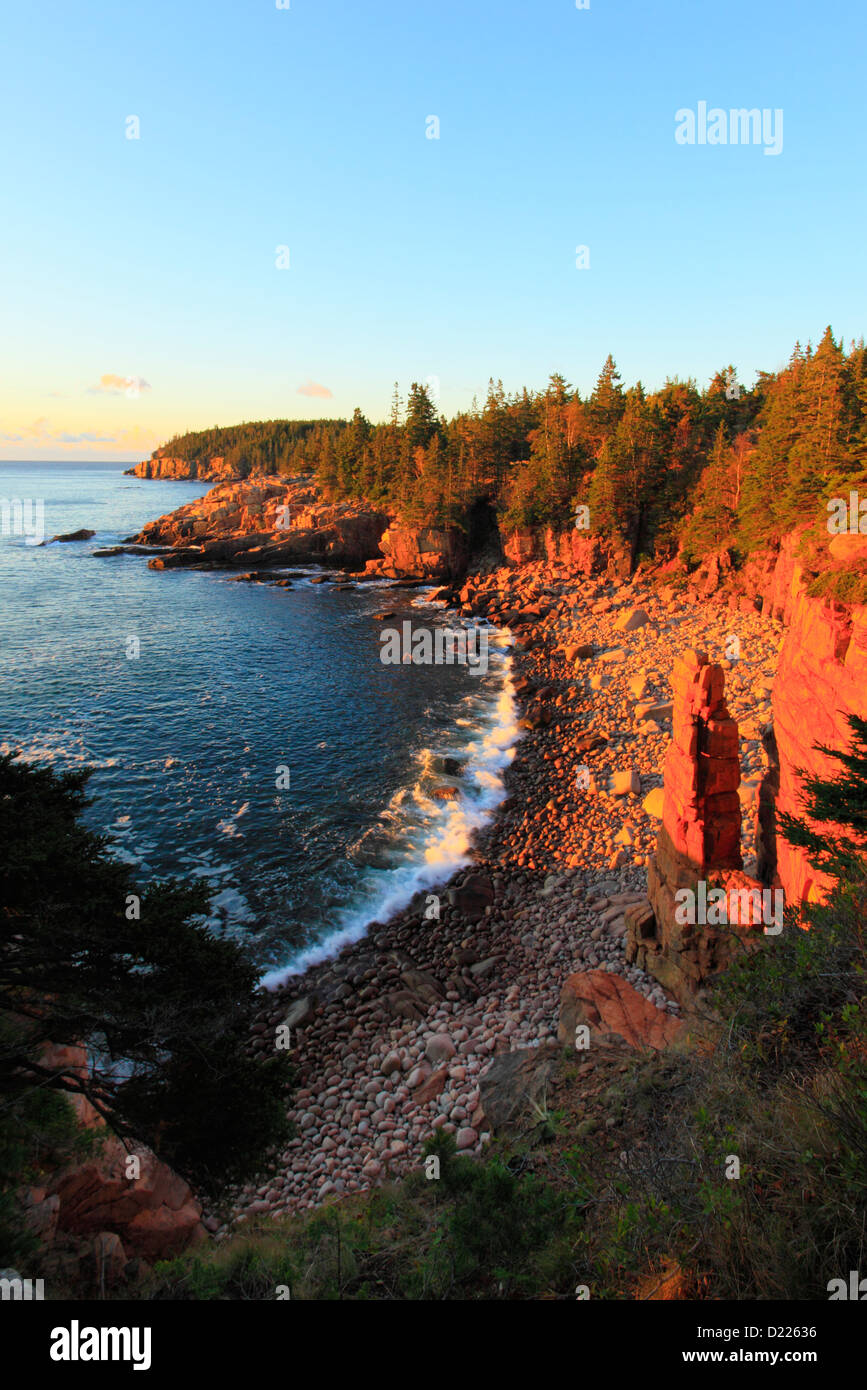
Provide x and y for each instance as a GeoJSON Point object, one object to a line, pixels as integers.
{"type": "Point", "coordinates": [448, 843]}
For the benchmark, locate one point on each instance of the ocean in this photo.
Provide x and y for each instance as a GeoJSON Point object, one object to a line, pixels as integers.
{"type": "Point", "coordinates": [196, 700]}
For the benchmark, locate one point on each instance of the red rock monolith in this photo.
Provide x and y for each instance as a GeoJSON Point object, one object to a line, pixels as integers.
{"type": "Point", "coordinates": [700, 834]}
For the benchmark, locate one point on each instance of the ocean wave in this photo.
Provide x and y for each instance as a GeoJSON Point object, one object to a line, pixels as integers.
{"type": "Point", "coordinates": [436, 835]}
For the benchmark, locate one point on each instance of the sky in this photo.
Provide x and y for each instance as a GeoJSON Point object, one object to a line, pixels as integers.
{"type": "Point", "coordinates": [329, 197]}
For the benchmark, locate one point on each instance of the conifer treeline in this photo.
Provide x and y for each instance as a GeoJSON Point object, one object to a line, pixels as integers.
{"type": "Point", "coordinates": [675, 467]}
{"type": "Point", "coordinates": [258, 446]}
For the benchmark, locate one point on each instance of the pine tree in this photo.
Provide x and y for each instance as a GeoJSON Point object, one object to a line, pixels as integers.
{"type": "Point", "coordinates": [607, 402]}
{"type": "Point", "coordinates": [421, 418]}
{"type": "Point", "coordinates": [819, 451]}
{"type": "Point", "coordinates": [840, 801]}
{"type": "Point", "coordinates": [89, 956]}
{"type": "Point", "coordinates": [713, 516]}
{"type": "Point", "coordinates": [762, 517]}
{"type": "Point", "coordinates": [626, 483]}
{"type": "Point", "coordinates": [396, 407]}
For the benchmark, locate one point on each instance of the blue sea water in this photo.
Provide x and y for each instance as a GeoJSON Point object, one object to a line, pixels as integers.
{"type": "Point", "coordinates": [232, 682]}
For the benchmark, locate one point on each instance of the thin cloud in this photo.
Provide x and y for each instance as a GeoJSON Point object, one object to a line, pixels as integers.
{"type": "Point", "coordinates": [85, 438]}
{"type": "Point", "coordinates": [113, 385]}
{"type": "Point", "coordinates": [312, 388]}
{"type": "Point", "coordinates": [43, 432]}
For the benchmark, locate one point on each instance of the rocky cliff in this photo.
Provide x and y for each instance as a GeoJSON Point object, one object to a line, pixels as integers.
{"type": "Point", "coordinates": [821, 680]}
{"type": "Point", "coordinates": [266, 521]}
{"type": "Point", "coordinates": [821, 677]}
{"type": "Point", "coordinates": [208, 470]}
{"type": "Point", "coordinates": [574, 548]}
{"type": "Point", "coordinates": [229, 522]}
{"type": "Point", "coordinates": [427, 551]}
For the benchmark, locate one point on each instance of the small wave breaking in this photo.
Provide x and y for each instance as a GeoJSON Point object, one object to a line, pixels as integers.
{"type": "Point", "coordinates": [429, 837]}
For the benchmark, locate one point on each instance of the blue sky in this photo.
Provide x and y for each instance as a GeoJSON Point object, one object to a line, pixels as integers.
{"type": "Point", "coordinates": [140, 292]}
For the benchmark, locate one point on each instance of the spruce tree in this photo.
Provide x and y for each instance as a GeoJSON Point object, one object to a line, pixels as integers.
{"type": "Point", "coordinates": [762, 517]}
{"type": "Point", "coordinates": [840, 801]}
{"type": "Point", "coordinates": [819, 451]}
{"type": "Point", "coordinates": [89, 956]}
{"type": "Point", "coordinates": [421, 418]}
{"type": "Point", "coordinates": [607, 402]}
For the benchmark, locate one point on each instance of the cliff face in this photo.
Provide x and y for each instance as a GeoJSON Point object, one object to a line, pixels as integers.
{"type": "Point", "coordinates": [776, 577]}
{"type": "Point", "coordinates": [427, 551]}
{"type": "Point", "coordinates": [424, 552]}
{"type": "Point", "coordinates": [821, 679]}
{"type": "Point", "coordinates": [208, 470]}
{"type": "Point", "coordinates": [585, 554]}
{"type": "Point", "coordinates": [267, 521]}
{"type": "Point", "coordinates": [279, 521]}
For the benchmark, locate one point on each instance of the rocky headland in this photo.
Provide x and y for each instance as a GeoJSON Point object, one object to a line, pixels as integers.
{"type": "Point", "coordinates": [160, 465]}
{"type": "Point", "coordinates": [268, 522]}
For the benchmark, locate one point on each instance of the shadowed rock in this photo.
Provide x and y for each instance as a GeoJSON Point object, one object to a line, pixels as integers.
{"type": "Point", "coordinates": [607, 1003]}
{"type": "Point", "coordinates": [513, 1081]}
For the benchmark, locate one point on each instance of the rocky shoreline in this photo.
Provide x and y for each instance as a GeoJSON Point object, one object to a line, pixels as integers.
{"type": "Point", "coordinates": [400, 1034]}
{"type": "Point", "coordinates": [269, 522]}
